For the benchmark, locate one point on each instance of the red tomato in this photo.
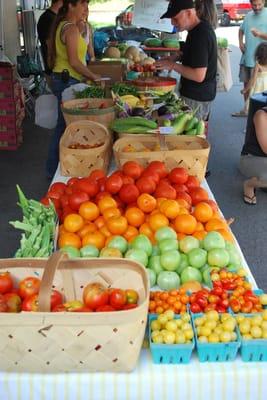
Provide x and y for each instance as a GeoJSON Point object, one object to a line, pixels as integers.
{"type": "Point", "coordinates": [53, 194]}
{"type": "Point", "coordinates": [178, 175]}
{"type": "Point", "coordinates": [71, 181]}
{"type": "Point", "coordinates": [88, 186]}
{"type": "Point", "coordinates": [127, 179]}
{"type": "Point", "coordinates": [165, 190]}
{"type": "Point", "coordinates": [30, 303]}
{"type": "Point", "coordinates": [185, 196]}
{"type": "Point", "coordinates": [128, 193]}
{"type": "Point", "coordinates": [218, 291]}
{"type": "Point", "coordinates": [3, 305]}
{"type": "Point", "coordinates": [113, 184]}
{"type": "Point", "coordinates": [213, 298]}
{"type": "Point", "coordinates": [100, 196]}
{"type": "Point", "coordinates": [105, 308]}
{"type": "Point", "coordinates": [117, 298]}
{"type": "Point", "coordinates": [45, 201]}
{"type": "Point", "coordinates": [180, 187]}
{"type": "Point", "coordinates": [56, 203]}
{"type": "Point", "coordinates": [146, 185]}
{"type": "Point", "coordinates": [151, 174]}
{"type": "Point", "coordinates": [13, 302]}
{"type": "Point", "coordinates": [82, 309]}
{"type": "Point", "coordinates": [198, 194]}
{"type": "Point", "coordinates": [129, 306]}
{"type": "Point", "coordinates": [97, 174]}
{"type": "Point", "coordinates": [56, 298]}
{"type": "Point", "coordinates": [95, 295]}
{"type": "Point", "coordinates": [29, 286]}
{"type": "Point", "coordinates": [101, 184]}
{"type": "Point", "coordinates": [213, 204]}
{"type": "Point", "coordinates": [195, 308]}
{"type": "Point", "coordinates": [59, 308]}
{"type": "Point", "coordinates": [6, 282]}
{"type": "Point", "coordinates": [202, 302]}
{"type": "Point", "coordinates": [210, 307]}
{"type": "Point", "coordinates": [64, 200]}
{"type": "Point", "coordinates": [132, 169]}
{"type": "Point", "coordinates": [58, 187]}
{"type": "Point", "coordinates": [158, 167]}
{"type": "Point", "coordinates": [192, 181]}
{"type": "Point", "coordinates": [76, 199]}
{"type": "Point", "coordinates": [224, 303]}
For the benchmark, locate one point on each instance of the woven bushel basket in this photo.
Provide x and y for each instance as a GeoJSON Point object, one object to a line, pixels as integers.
{"type": "Point", "coordinates": [51, 342]}
{"type": "Point", "coordinates": [80, 162]}
{"type": "Point", "coordinates": [88, 109]}
{"type": "Point", "coordinates": [190, 152]}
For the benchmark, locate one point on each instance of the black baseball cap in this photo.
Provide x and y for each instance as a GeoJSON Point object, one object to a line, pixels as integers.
{"type": "Point", "coordinates": [175, 6]}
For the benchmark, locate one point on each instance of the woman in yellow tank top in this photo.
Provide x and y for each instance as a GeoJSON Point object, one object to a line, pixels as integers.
{"type": "Point", "coordinates": [66, 56]}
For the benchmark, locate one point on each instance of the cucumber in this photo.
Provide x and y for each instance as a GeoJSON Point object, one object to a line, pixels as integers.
{"type": "Point", "coordinates": [200, 127]}
{"type": "Point", "coordinates": [122, 124]}
{"type": "Point", "coordinates": [192, 132]}
{"type": "Point", "coordinates": [191, 124]}
{"type": "Point", "coordinates": [180, 122]}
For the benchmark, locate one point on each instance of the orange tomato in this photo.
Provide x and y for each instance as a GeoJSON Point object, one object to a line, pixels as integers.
{"type": "Point", "coordinates": [159, 200]}
{"type": "Point", "coordinates": [185, 223]}
{"type": "Point", "coordinates": [134, 216]}
{"type": "Point", "coordinates": [203, 212]}
{"type": "Point", "coordinates": [183, 203]}
{"type": "Point", "coordinates": [117, 225]}
{"type": "Point", "coordinates": [89, 210]}
{"type": "Point", "coordinates": [180, 235]}
{"type": "Point", "coordinates": [145, 229]}
{"type": "Point", "coordinates": [183, 210]}
{"type": "Point", "coordinates": [146, 202]}
{"type": "Point", "coordinates": [157, 221]}
{"type": "Point", "coordinates": [111, 212]}
{"type": "Point", "coordinates": [200, 226]}
{"type": "Point", "coordinates": [215, 223]}
{"type": "Point", "coordinates": [130, 233]}
{"type": "Point", "coordinates": [106, 202]}
{"type": "Point", "coordinates": [104, 230]}
{"type": "Point", "coordinates": [87, 228]}
{"type": "Point", "coordinates": [227, 235]}
{"type": "Point", "coordinates": [170, 208]}
{"type": "Point", "coordinates": [69, 239]}
{"type": "Point", "coordinates": [200, 234]}
{"type": "Point", "coordinates": [95, 238]}
{"type": "Point", "coordinates": [73, 222]}
{"type": "Point", "coordinates": [99, 222]}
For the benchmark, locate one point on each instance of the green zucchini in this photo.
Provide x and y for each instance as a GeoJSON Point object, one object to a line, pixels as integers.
{"type": "Point", "coordinates": [191, 124]}
{"type": "Point", "coordinates": [200, 127]}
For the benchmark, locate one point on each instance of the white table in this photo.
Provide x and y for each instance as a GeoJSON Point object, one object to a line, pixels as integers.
{"type": "Point", "coordinates": [208, 381]}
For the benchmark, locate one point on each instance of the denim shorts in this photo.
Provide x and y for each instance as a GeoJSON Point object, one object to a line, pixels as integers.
{"type": "Point", "coordinates": [245, 73]}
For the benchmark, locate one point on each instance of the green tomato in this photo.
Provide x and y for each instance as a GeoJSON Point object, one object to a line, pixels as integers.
{"type": "Point", "coordinates": [206, 276]}
{"type": "Point", "coordinates": [197, 258]}
{"type": "Point", "coordinates": [120, 243]}
{"type": "Point", "coordinates": [183, 263]}
{"type": "Point", "coordinates": [154, 263]}
{"type": "Point", "coordinates": [218, 257]}
{"type": "Point", "coordinates": [213, 240]}
{"type": "Point", "coordinates": [155, 250]}
{"type": "Point", "coordinates": [168, 280]}
{"type": "Point", "coordinates": [142, 242]}
{"type": "Point", "coordinates": [152, 277]}
{"type": "Point", "coordinates": [110, 252]}
{"type": "Point", "coordinates": [170, 260]}
{"type": "Point", "coordinates": [165, 233]}
{"type": "Point", "coordinates": [191, 274]}
{"type": "Point", "coordinates": [89, 251]}
{"type": "Point", "coordinates": [137, 255]}
{"type": "Point", "coordinates": [188, 243]}
{"type": "Point", "coordinates": [71, 251]}
{"type": "Point", "coordinates": [167, 245]}
{"type": "Point", "coordinates": [235, 259]}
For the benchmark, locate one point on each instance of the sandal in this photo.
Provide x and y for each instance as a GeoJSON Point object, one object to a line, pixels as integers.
{"type": "Point", "coordinates": [241, 113]}
{"type": "Point", "coordinates": [252, 201]}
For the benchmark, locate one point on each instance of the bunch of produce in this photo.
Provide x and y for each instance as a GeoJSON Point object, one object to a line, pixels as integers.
{"type": "Point", "coordinates": [172, 103]}
{"type": "Point", "coordinates": [129, 105]}
{"type": "Point", "coordinates": [228, 280]}
{"type": "Point", "coordinates": [252, 327]}
{"type": "Point", "coordinates": [168, 43]}
{"type": "Point", "coordinates": [185, 123]}
{"type": "Point", "coordinates": [95, 297]}
{"type": "Point", "coordinates": [170, 329]}
{"type": "Point", "coordinates": [213, 327]}
{"type": "Point", "coordinates": [90, 92]}
{"type": "Point", "coordinates": [122, 89]}
{"type": "Point", "coordinates": [222, 43]}
{"type": "Point", "coordinates": [174, 300]}
{"type": "Point", "coordinates": [38, 224]}
{"type": "Point", "coordinates": [133, 124]}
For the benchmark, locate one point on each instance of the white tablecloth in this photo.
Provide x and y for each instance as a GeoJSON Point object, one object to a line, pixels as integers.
{"type": "Point", "coordinates": [208, 381]}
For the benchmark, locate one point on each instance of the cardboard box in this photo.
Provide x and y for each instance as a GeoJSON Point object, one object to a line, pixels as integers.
{"type": "Point", "coordinates": [116, 70]}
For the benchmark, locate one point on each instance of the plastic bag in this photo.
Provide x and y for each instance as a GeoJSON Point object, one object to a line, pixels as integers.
{"type": "Point", "coordinates": [224, 74]}
{"type": "Point", "coordinates": [46, 111]}
{"type": "Point", "coordinates": [68, 93]}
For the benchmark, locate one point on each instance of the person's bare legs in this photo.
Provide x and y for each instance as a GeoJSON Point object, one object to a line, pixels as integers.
{"type": "Point", "coordinates": [250, 186]}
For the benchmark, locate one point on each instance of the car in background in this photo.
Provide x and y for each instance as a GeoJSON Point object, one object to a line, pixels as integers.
{"type": "Point", "coordinates": [234, 10]}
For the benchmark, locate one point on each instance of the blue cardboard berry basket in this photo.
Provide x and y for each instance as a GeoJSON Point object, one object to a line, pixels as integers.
{"type": "Point", "coordinates": [170, 353]}
{"type": "Point", "coordinates": [215, 352]}
{"type": "Point", "coordinates": [254, 350]}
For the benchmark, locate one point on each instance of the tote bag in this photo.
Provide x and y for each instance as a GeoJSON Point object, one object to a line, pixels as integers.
{"type": "Point", "coordinates": [224, 73]}
{"type": "Point", "coordinates": [46, 111]}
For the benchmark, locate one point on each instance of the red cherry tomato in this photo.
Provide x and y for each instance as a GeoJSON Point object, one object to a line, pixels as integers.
{"type": "Point", "coordinates": [117, 298]}
{"type": "Point", "coordinates": [195, 308]}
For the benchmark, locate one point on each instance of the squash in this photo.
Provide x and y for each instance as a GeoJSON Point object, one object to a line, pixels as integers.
{"type": "Point", "coordinates": [132, 53]}
{"type": "Point", "coordinates": [148, 61]}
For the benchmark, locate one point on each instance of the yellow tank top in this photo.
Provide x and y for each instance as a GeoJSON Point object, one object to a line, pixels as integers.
{"type": "Point", "coordinates": [62, 57]}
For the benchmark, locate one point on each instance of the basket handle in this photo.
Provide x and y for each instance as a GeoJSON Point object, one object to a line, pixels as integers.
{"type": "Point", "coordinates": [48, 278]}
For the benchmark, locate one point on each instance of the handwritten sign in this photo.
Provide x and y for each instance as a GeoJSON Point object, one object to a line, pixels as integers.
{"type": "Point", "coordinates": [147, 14]}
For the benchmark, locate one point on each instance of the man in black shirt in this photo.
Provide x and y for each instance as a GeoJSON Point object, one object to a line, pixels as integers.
{"type": "Point", "coordinates": [199, 57]}
{"type": "Point", "coordinates": [44, 26]}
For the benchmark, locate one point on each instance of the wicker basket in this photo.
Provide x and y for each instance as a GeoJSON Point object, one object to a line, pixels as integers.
{"type": "Point", "coordinates": [190, 152]}
{"type": "Point", "coordinates": [155, 83]}
{"type": "Point", "coordinates": [80, 162]}
{"type": "Point", "coordinates": [63, 342]}
{"type": "Point", "coordinates": [88, 109]}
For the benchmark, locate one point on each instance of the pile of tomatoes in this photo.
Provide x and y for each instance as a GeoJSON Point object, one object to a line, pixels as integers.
{"type": "Point", "coordinates": [132, 201]}
{"type": "Point", "coordinates": [24, 297]}
{"type": "Point", "coordinates": [174, 300]}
